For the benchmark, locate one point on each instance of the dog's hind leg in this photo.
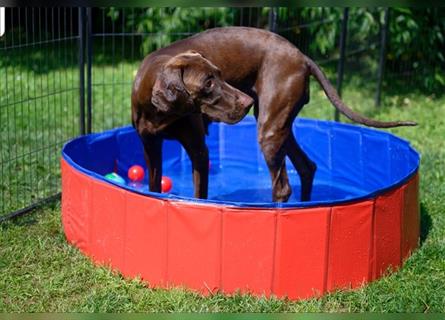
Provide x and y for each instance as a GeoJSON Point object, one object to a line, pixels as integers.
{"type": "Point", "coordinates": [305, 167]}
{"type": "Point", "coordinates": [281, 189]}
{"type": "Point", "coordinates": [276, 113]}
{"type": "Point", "coordinates": [274, 128]}
{"type": "Point", "coordinates": [272, 136]}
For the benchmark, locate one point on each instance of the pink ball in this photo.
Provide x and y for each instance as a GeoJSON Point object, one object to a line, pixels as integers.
{"type": "Point", "coordinates": [136, 173]}
{"type": "Point", "coordinates": [166, 184]}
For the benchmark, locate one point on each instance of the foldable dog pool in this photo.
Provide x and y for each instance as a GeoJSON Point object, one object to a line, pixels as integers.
{"type": "Point", "coordinates": [362, 220]}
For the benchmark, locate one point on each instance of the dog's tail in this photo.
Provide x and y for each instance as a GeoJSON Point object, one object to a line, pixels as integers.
{"type": "Point", "coordinates": [332, 95]}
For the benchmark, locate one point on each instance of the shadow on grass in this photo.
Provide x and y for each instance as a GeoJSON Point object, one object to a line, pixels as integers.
{"type": "Point", "coordinates": [32, 216]}
{"type": "Point", "coordinates": [425, 223]}
{"type": "Point", "coordinates": [25, 220]}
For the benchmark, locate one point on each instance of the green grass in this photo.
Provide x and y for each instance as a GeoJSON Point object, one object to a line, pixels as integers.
{"type": "Point", "coordinates": [40, 272]}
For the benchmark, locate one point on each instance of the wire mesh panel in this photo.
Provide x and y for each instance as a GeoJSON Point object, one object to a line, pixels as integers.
{"type": "Point", "coordinates": [39, 102]}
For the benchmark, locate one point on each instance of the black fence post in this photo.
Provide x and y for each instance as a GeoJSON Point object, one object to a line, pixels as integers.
{"type": "Point", "coordinates": [383, 41]}
{"type": "Point", "coordinates": [81, 71]}
{"type": "Point", "coordinates": [341, 61]}
{"type": "Point", "coordinates": [89, 66]}
{"type": "Point", "coordinates": [273, 19]}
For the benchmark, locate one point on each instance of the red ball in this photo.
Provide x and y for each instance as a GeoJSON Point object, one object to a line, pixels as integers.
{"type": "Point", "coordinates": [136, 173]}
{"type": "Point", "coordinates": [166, 184]}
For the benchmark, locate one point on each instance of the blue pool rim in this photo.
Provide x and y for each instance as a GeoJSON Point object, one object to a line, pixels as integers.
{"type": "Point", "coordinates": [166, 196]}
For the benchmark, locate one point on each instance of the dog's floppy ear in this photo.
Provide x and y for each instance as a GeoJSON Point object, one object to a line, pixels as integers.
{"type": "Point", "coordinates": [169, 93]}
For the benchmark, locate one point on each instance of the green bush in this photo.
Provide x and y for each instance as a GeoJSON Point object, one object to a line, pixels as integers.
{"type": "Point", "coordinates": [416, 36]}
{"type": "Point", "coordinates": [166, 25]}
{"type": "Point", "coordinates": [417, 40]}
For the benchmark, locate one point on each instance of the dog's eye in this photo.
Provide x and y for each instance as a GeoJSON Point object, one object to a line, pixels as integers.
{"type": "Point", "coordinates": [208, 84]}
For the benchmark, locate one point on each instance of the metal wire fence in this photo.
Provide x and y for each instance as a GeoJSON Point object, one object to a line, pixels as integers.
{"type": "Point", "coordinates": [38, 102]}
{"type": "Point", "coordinates": [69, 71]}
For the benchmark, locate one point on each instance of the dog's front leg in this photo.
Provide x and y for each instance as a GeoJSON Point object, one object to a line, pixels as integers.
{"type": "Point", "coordinates": [153, 157]}
{"type": "Point", "coordinates": [190, 132]}
{"type": "Point", "coordinates": [197, 150]}
{"type": "Point", "coordinates": [200, 165]}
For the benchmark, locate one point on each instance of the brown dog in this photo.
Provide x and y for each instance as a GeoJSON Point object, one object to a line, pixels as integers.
{"type": "Point", "coordinates": [218, 75]}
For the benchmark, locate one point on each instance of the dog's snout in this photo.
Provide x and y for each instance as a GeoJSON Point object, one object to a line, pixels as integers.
{"type": "Point", "coordinates": [244, 100]}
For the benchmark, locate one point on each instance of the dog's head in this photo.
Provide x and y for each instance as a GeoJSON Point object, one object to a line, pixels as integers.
{"type": "Point", "coordinates": [189, 83]}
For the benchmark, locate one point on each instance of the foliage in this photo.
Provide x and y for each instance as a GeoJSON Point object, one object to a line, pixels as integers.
{"type": "Point", "coordinates": [165, 25]}
{"type": "Point", "coordinates": [415, 41]}
{"type": "Point", "coordinates": [417, 44]}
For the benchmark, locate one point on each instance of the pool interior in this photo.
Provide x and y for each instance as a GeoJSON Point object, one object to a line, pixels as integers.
{"type": "Point", "coordinates": [353, 161]}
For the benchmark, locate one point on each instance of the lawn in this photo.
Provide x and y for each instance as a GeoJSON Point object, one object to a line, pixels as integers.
{"type": "Point", "coordinates": [40, 272]}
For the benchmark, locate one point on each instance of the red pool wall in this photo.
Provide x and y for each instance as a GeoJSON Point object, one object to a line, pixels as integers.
{"type": "Point", "coordinates": [298, 253]}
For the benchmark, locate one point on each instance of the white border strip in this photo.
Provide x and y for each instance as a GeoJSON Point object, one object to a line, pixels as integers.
{"type": "Point", "coordinates": [2, 21]}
